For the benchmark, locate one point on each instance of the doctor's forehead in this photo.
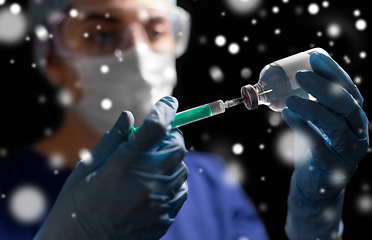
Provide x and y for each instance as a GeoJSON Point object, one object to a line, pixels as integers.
{"type": "Point", "coordinates": [83, 3]}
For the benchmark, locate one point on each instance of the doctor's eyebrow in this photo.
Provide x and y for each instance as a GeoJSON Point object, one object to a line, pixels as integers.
{"type": "Point", "coordinates": [100, 17]}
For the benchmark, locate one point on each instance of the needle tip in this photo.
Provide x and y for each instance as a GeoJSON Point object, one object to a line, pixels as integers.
{"type": "Point", "coordinates": [234, 102]}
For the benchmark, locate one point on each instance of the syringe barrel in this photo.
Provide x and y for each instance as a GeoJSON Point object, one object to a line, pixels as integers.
{"type": "Point", "coordinates": [192, 115]}
{"type": "Point", "coordinates": [196, 114]}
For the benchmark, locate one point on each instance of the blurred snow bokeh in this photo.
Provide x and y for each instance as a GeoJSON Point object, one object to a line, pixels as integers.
{"type": "Point", "coordinates": [13, 25]}
{"type": "Point", "coordinates": [235, 173]}
{"type": "Point", "coordinates": [243, 7]}
{"type": "Point", "coordinates": [364, 203]}
{"type": "Point", "coordinates": [284, 147]}
{"type": "Point", "coordinates": [27, 204]}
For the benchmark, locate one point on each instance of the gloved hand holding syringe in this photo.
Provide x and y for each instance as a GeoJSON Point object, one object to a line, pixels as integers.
{"type": "Point", "coordinates": [201, 112]}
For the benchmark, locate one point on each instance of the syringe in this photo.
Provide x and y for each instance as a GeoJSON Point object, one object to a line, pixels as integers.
{"type": "Point", "coordinates": [201, 112]}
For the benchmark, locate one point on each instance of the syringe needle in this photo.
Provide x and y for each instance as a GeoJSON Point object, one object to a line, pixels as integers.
{"type": "Point", "coordinates": [234, 102]}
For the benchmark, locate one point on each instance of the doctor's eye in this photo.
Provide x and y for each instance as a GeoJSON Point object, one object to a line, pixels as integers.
{"type": "Point", "coordinates": [157, 27]}
{"type": "Point", "coordinates": [102, 38]}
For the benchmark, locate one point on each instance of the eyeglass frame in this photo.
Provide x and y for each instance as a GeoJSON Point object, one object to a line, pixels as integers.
{"type": "Point", "coordinates": [57, 18]}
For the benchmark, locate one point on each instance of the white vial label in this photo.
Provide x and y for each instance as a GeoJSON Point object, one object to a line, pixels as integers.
{"type": "Point", "coordinates": [294, 63]}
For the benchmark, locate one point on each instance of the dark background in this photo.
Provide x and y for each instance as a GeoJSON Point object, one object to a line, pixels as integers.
{"type": "Point", "coordinates": [24, 119]}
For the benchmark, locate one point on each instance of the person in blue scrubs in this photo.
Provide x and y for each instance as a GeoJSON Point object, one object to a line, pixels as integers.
{"type": "Point", "coordinates": [109, 56]}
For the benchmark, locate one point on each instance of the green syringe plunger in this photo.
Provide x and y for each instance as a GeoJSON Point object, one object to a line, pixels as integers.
{"type": "Point", "coordinates": [201, 112]}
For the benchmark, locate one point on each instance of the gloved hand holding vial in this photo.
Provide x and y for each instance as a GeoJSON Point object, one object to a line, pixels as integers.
{"type": "Point", "coordinates": [277, 81]}
{"type": "Point", "coordinates": [317, 90]}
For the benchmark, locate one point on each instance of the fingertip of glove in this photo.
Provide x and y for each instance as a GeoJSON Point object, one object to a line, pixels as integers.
{"type": "Point", "coordinates": [128, 119]}
{"type": "Point", "coordinates": [288, 115]}
{"type": "Point", "coordinates": [322, 63]}
{"type": "Point", "coordinates": [292, 101]}
{"type": "Point", "coordinates": [317, 56]}
{"type": "Point", "coordinates": [170, 101]}
{"type": "Point", "coordinates": [314, 57]}
{"type": "Point", "coordinates": [128, 115]}
{"type": "Point", "coordinates": [124, 122]}
{"type": "Point", "coordinates": [285, 112]}
{"type": "Point", "coordinates": [302, 76]}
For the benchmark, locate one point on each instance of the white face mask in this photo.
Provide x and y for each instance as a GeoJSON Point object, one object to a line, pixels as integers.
{"type": "Point", "coordinates": [134, 82]}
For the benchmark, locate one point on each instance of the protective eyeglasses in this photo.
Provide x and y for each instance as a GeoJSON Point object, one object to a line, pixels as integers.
{"type": "Point", "coordinates": [101, 30]}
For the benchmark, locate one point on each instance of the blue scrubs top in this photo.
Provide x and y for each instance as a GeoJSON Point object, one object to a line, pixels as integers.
{"type": "Point", "coordinates": [215, 209]}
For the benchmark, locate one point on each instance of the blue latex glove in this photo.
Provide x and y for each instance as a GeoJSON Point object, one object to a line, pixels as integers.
{"type": "Point", "coordinates": [335, 130]}
{"type": "Point", "coordinates": [132, 189]}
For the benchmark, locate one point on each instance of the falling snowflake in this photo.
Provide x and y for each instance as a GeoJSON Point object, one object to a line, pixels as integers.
{"type": "Point", "coordinates": [220, 41]}
{"type": "Point", "coordinates": [237, 148]}
{"type": "Point", "coordinates": [275, 9]}
{"type": "Point", "coordinates": [361, 24]}
{"type": "Point", "coordinates": [106, 104]}
{"type": "Point", "coordinates": [313, 8]}
{"type": "Point", "coordinates": [15, 8]}
{"type": "Point", "coordinates": [104, 69]}
{"type": "Point", "coordinates": [27, 204]}
{"type": "Point", "coordinates": [246, 73]}
{"type": "Point", "coordinates": [73, 13]}
{"type": "Point", "coordinates": [216, 74]}
{"type": "Point", "coordinates": [234, 48]}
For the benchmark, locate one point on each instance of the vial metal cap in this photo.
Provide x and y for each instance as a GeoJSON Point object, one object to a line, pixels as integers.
{"type": "Point", "coordinates": [250, 97]}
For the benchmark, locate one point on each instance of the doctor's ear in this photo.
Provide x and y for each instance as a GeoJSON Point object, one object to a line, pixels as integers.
{"type": "Point", "coordinates": [53, 68]}
{"type": "Point", "coordinates": [62, 74]}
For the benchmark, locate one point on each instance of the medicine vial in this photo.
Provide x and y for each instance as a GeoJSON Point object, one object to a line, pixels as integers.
{"type": "Point", "coordinates": [277, 81]}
